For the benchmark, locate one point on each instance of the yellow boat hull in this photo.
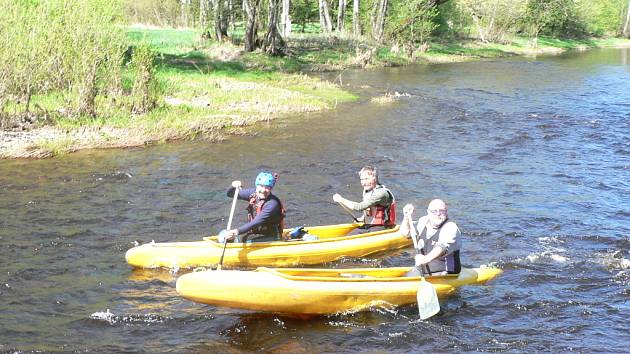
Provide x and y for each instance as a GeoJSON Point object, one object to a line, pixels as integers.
{"type": "Point", "coordinates": [306, 291]}
{"type": "Point", "coordinates": [334, 243]}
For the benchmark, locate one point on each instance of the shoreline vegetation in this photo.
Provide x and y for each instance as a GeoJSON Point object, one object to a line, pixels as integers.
{"type": "Point", "coordinates": [222, 91]}
{"type": "Point", "coordinates": [217, 90]}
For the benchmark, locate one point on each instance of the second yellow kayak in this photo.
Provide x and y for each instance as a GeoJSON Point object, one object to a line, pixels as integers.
{"type": "Point", "coordinates": [306, 291]}
{"type": "Point", "coordinates": [333, 243]}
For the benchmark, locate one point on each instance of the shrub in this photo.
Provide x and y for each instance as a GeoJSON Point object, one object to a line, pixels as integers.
{"type": "Point", "coordinates": [144, 92]}
{"type": "Point", "coordinates": [73, 46]}
{"type": "Point", "coordinates": [412, 22]}
{"type": "Point", "coordinates": [558, 18]}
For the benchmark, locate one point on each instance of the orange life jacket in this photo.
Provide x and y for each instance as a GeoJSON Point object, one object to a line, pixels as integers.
{"type": "Point", "coordinates": [383, 215]}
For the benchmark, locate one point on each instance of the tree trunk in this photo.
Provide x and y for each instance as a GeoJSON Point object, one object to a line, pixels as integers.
{"type": "Point", "coordinates": [203, 13]}
{"type": "Point", "coordinates": [231, 11]}
{"type": "Point", "coordinates": [479, 28]}
{"type": "Point", "coordinates": [183, 8]}
{"type": "Point", "coordinates": [285, 21]}
{"type": "Point", "coordinates": [251, 7]}
{"type": "Point", "coordinates": [381, 25]}
{"type": "Point", "coordinates": [225, 13]}
{"type": "Point", "coordinates": [216, 11]}
{"type": "Point", "coordinates": [356, 18]}
{"type": "Point", "coordinates": [274, 43]}
{"type": "Point", "coordinates": [626, 32]}
{"type": "Point", "coordinates": [341, 16]}
{"type": "Point", "coordinates": [324, 16]}
{"type": "Point", "coordinates": [220, 20]}
{"type": "Point", "coordinates": [378, 20]}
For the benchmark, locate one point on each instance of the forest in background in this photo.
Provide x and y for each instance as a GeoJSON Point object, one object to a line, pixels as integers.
{"type": "Point", "coordinates": [410, 24]}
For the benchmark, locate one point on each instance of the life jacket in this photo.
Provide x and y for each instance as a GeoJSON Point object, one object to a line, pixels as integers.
{"type": "Point", "coordinates": [449, 263]}
{"type": "Point", "coordinates": [384, 215]}
{"type": "Point", "coordinates": [254, 208]}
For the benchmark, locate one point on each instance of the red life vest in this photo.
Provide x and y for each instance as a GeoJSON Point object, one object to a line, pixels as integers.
{"type": "Point", "coordinates": [256, 205]}
{"type": "Point", "coordinates": [385, 216]}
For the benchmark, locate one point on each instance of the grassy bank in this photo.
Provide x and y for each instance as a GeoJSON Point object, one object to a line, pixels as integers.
{"type": "Point", "coordinates": [210, 90]}
{"type": "Point", "coordinates": [206, 91]}
{"type": "Point", "coordinates": [461, 50]}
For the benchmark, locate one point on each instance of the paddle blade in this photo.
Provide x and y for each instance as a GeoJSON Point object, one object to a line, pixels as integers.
{"type": "Point", "coordinates": [428, 304]}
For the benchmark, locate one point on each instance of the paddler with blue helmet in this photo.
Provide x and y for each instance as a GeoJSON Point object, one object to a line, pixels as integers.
{"type": "Point", "coordinates": [265, 211]}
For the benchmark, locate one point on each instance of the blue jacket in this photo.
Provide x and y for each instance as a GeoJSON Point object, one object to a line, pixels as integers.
{"type": "Point", "coordinates": [267, 221]}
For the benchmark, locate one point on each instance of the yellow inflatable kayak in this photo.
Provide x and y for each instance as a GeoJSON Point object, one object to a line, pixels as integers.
{"type": "Point", "coordinates": [333, 243]}
{"type": "Point", "coordinates": [317, 291]}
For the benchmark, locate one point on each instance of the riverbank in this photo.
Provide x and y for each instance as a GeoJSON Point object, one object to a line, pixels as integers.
{"type": "Point", "coordinates": [211, 91]}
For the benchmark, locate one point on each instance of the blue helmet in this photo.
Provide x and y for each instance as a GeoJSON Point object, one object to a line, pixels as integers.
{"type": "Point", "coordinates": [265, 179]}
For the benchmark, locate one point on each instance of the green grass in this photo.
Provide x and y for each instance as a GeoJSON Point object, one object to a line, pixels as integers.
{"type": "Point", "coordinates": [165, 41]}
{"type": "Point", "coordinates": [207, 89]}
{"type": "Point", "coordinates": [202, 95]}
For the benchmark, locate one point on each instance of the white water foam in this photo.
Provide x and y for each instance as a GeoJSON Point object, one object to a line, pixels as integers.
{"type": "Point", "coordinates": [104, 316]}
{"type": "Point", "coordinates": [396, 334]}
{"type": "Point", "coordinates": [112, 318]}
{"type": "Point", "coordinates": [280, 323]}
{"type": "Point", "coordinates": [535, 257]}
{"type": "Point", "coordinates": [551, 251]}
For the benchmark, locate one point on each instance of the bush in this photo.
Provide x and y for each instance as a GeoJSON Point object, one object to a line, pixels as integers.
{"type": "Point", "coordinates": [73, 46]}
{"type": "Point", "coordinates": [154, 12]}
{"type": "Point", "coordinates": [604, 17]}
{"type": "Point", "coordinates": [411, 22]}
{"type": "Point", "coordinates": [144, 92]}
{"type": "Point", "coordinates": [558, 18]}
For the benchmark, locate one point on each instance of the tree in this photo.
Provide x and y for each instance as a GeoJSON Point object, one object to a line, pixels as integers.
{"type": "Point", "coordinates": [341, 16]}
{"type": "Point", "coordinates": [356, 18]}
{"type": "Point", "coordinates": [492, 18]}
{"type": "Point", "coordinates": [204, 8]}
{"type": "Point", "coordinates": [220, 19]}
{"type": "Point", "coordinates": [304, 11]}
{"type": "Point", "coordinates": [324, 16]}
{"type": "Point", "coordinates": [411, 22]}
{"type": "Point", "coordinates": [378, 19]}
{"type": "Point", "coordinates": [625, 26]}
{"type": "Point", "coordinates": [231, 15]}
{"type": "Point", "coordinates": [285, 20]}
{"type": "Point", "coordinates": [184, 6]}
{"type": "Point", "coordinates": [251, 9]}
{"type": "Point", "coordinates": [274, 44]}
{"type": "Point", "coordinates": [553, 17]}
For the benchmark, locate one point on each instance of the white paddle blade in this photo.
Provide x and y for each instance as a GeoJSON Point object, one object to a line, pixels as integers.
{"type": "Point", "coordinates": [428, 304]}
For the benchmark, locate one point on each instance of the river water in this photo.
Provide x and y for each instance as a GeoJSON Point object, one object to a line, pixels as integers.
{"type": "Point", "coordinates": [532, 155]}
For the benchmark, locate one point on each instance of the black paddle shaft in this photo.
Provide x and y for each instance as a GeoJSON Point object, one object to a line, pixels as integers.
{"type": "Point", "coordinates": [222, 254]}
{"type": "Point", "coordinates": [426, 265]}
